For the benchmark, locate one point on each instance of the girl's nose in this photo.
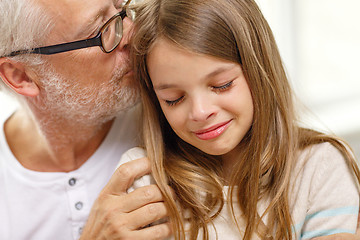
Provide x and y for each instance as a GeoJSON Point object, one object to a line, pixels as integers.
{"type": "Point", "coordinates": [201, 109]}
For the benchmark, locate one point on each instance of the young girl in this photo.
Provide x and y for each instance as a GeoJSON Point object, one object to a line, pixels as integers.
{"type": "Point", "coordinates": [220, 128]}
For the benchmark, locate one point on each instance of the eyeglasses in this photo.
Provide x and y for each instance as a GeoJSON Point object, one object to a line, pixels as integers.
{"type": "Point", "coordinates": [108, 38]}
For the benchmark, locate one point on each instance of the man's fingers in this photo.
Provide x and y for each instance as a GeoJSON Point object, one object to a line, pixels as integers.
{"type": "Point", "coordinates": [123, 215]}
{"type": "Point", "coordinates": [117, 225]}
{"type": "Point", "coordinates": [117, 214]}
{"type": "Point", "coordinates": [139, 198]}
{"type": "Point", "coordinates": [125, 175]}
{"type": "Point", "coordinates": [156, 232]}
{"type": "Point", "coordinates": [147, 215]}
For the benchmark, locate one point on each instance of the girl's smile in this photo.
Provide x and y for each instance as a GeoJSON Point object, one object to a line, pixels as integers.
{"type": "Point", "coordinates": [213, 131]}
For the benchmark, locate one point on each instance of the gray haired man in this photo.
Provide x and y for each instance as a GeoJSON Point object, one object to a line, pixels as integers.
{"type": "Point", "coordinates": [67, 62]}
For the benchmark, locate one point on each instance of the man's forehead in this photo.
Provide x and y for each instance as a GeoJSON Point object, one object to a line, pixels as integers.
{"type": "Point", "coordinates": [75, 14]}
{"type": "Point", "coordinates": [63, 7]}
{"type": "Point", "coordinates": [76, 9]}
{"type": "Point", "coordinates": [78, 6]}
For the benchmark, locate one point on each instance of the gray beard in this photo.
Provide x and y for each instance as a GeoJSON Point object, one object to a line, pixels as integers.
{"type": "Point", "coordinates": [66, 100]}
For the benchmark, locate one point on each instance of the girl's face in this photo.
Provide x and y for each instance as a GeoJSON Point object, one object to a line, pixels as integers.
{"type": "Point", "coordinates": [206, 100]}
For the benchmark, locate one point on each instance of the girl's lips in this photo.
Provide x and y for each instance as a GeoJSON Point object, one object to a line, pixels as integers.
{"type": "Point", "coordinates": [213, 131]}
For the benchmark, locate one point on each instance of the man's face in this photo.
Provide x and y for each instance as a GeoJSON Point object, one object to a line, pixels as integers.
{"type": "Point", "coordinates": [85, 84]}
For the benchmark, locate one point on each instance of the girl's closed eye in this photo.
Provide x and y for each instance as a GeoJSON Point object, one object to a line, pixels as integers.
{"type": "Point", "coordinates": [174, 102]}
{"type": "Point", "coordinates": [224, 87]}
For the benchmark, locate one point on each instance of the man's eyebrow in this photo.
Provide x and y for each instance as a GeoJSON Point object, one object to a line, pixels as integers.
{"type": "Point", "coordinates": [94, 20]}
{"type": "Point", "coordinates": [118, 3]}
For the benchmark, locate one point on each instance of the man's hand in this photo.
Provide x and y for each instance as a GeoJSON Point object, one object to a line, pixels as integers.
{"type": "Point", "coordinates": [117, 214]}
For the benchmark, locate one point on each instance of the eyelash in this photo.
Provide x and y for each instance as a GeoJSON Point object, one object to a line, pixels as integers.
{"type": "Point", "coordinates": [216, 88]}
{"type": "Point", "coordinates": [223, 87]}
{"type": "Point", "coordinates": [174, 102]}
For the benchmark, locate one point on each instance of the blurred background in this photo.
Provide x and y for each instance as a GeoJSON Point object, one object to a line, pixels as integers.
{"type": "Point", "coordinates": [319, 41]}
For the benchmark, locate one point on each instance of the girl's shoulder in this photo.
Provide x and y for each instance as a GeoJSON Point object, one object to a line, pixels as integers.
{"type": "Point", "coordinates": [324, 195]}
{"type": "Point", "coordinates": [320, 155]}
{"type": "Point", "coordinates": [133, 154]}
{"type": "Point", "coordinates": [322, 168]}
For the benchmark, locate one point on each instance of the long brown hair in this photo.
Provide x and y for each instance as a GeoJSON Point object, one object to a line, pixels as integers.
{"type": "Point", "coordinates": [233, 30]}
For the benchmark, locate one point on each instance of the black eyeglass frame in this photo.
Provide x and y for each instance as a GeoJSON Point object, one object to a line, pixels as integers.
{"type": "Point", "coordinates": [70, 46]}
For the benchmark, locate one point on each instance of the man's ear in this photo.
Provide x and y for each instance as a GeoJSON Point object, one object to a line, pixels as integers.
{"type": "Point", "coordinates": [14, 75]}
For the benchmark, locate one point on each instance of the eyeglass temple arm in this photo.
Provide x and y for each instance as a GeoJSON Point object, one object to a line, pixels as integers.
{"type": "Point", "coordinates": [64, 47]}
{"type": "Point", "coordinates": [127, 4]}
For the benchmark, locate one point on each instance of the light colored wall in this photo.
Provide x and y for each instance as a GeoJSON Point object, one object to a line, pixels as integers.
{"type": "Point", "coordinates": [6, 103]}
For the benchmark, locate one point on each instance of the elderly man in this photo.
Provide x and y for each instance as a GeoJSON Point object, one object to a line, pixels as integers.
{"type": "Point", "coordinates": [68, 64]}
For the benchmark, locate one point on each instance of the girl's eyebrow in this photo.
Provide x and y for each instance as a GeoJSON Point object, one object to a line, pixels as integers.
{"type": "Point", "coordinates": [164, 86]}
{"type": "Point", "coordinates": [218, 71]}
{"type": "Point", "coordinates": [209, 75]}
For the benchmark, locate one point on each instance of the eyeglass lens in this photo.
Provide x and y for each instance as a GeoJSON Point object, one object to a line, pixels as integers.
{"type": "Point", "coordinates": [112, 34]}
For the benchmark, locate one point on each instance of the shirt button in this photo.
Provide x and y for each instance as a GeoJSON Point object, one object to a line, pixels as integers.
{"type": "Point", "coordinates": [72, 181]}
{"type": "Point", "coordinates": [79, 205]}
